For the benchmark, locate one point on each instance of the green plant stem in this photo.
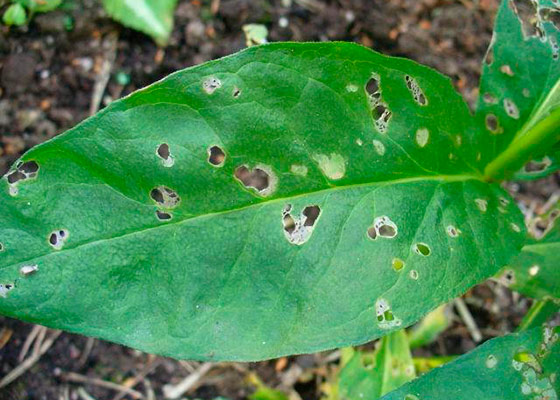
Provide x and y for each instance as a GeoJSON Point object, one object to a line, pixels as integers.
{"type": "Point", "coordinates": [538, 314]}
{"type": "Point", "coordinates": [526, 144]}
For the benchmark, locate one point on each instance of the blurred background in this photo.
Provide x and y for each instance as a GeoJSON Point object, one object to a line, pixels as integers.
{"type": "Point", "coordinates": [63, 65]}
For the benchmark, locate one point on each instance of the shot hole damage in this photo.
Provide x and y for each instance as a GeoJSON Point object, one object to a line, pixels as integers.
{"type": "Point", "coordinates": [58, 238]}
{"type": "Point", "coordinates": [452, 231]}
{"type": "Point", "coordinates": [260, 179]}
{"type": "Point", "coordinates": [422, 249]}
{"type": "Point", "coordinates": [413, 274]}
{"type": "Point", "coordinates": [415, 90]}
{"type": "Point", "coordinates": [492, 124]}
{"type": "Point", "coordinates": [382, 227]}
{"type": "Point", "coordinates": [236, 92]}
{"type": "Point", "coordinates": [380, 111]}
{"type": "Point", "coordinates": [537, 166]}
{"type": "Point", "coordinates": [24, 171]}
{"type": "Point", "coordinates": [164, 154]}
{"type": "Point", "coordinates": [165, 197]}
{"type": "Point", "coordinates": [511, 108]}
{"type": "Point", "coordinates": [298, 229]}
{"type": "Point", "coordinates": [216, 156]}
{"type": "Point", "coordinates": [385, 317]}
{"type": "Point", "coordinates": [163, 215]}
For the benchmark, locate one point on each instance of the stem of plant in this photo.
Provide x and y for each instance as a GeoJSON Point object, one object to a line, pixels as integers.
{"type": "Point", "coordinates": [546, 132]}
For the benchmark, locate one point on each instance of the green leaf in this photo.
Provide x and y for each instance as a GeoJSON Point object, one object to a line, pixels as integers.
{"type": "Point", "coordinates": [371, 375]}
{"type": "Point", "coordinates": [14, 15]}
{"type": "Point", "coordinates": [535, 271]}
{"type": "Point", "coordinates": [429, 328]}
{"type": "Point", "coordinates": [519, 366]}
{"type": "Point", "coordinates": [541, 312]}
{"type": "Point", "coordinates": [520, 87]}
{"type": "Point", "coordinates": [152, 17]}
{"type": "Point", "coordinates": [255, 206]}
{"type": "Point", "coordinates": [40, 5]}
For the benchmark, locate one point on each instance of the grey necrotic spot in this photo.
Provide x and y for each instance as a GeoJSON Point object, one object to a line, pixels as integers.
{"type": "Point", "coordinates": [298, 230]}
{"type": "Point", "coordinates": [526, 11]}
{"type": "Point", "coordinates": [28, 269]}
{"type": "Point", "coordinates": [261, 178]}
{"type": "Point", "coordinates": [210, 85]}
{"type": "Point", "coordinates": [511, 108]}
{"type": "Point", "coordinates": [422, 248]}
{"type": "Point", "coordinates": [165, 197]}
{"type": "Point", "coordinates": [216, 156]}
{"type": "Point", "coordinates": [58, 238]}
{"type": "Point", "coordinates": [164, 153]}
{"type": "Point", "coordinates": [163, 216]}
{"type": "Point", "coordinates": [380, 112]}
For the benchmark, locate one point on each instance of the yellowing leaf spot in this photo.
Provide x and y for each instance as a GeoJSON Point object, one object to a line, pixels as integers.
{"type": "Point", "coordinates": [379, 147]}
{"type": "Point", "coordinates": [333, 166]}
{"type": "Point", "coordinates": [397, 264]}
{"type": "Point", "coordinates": [300, 170]}
{"type": "Point", "coordinates": [422, 137]}
{"type": "Point", "coordinates": [481, 204]}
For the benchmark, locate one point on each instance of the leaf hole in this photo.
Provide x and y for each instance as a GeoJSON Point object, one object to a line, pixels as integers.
{"type": "Point", "coordinates": [216, 156]}
{"type": "Point", "coordinates": [298, 230]}
{"type": "Point", "coordinates": [163, 216]}
{"type": "Point", "coordinates": [57, 238]}
{"type": "Point", "coordinates": [536, 166]}
{"type": "Point", "coordinates": [416, 91]}
{"type": "Point", "coordinates": [382, 227]}
{"type": "Point", "coordinates": [452, 231]}
{"type": "Point", "coordinates": [236, 92]}
{"type": "Point", "coordinates": [259, 178]}
{"type": "Point", "coordinates": [422, 249]}
{"type": "Point", "coordinates": [492, 124]}
{"type": "Point", "coordinates": [527, 14]}
{"type": "Point", "coordinates": [165, 197]}
{"type": "Point", "coordinates": [164, 153]}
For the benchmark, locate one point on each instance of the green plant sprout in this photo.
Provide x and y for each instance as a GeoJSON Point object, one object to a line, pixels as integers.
{"type": "Point", "coordinates": [152, 17]}
{"type": "Point", "coordinates": [298, 197]}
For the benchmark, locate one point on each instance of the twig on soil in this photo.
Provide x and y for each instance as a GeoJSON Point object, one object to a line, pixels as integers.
{"type": "Point", "coordinates": [39, 340]}
{"type": "Point", "coordinates": [30, 361]}
{"type": "Point", "coordinates": [467, 318]}
{"type": "Point", "coordinates": [86, 352]}
{"type": "Point", "coordinates": [78, 378]}
{"type": "Point", "coordinates": [176, 391]}
{"type": "Point", "coordinates": [150, 395]}
{"type": "Point", "coordinates": [149, 368]}
{"type": "Point", "coordinates": [312, 5]}
{"type": "Point", "coordinates": [5, 335]}
{"type": "Point", "coordinates": [84, 395]}
{"type": "Point", "coordinates": [105, 73]}
{"type": "Point", "coordinates": [28, 342]}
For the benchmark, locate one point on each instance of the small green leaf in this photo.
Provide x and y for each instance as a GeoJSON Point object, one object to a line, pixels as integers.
{"type": "Point", "coordinates": [519, 366]}
{"type": "Point", "coordinates": [152, 17]}
{"type": "Point", "coordinates": [40, 5]}
{"type": "Point", "coordinates": [535, 271]}
{"type": "Point", "coordinates": [265, 189]}
{"type": "Point", "coordinates": [520, 87]}
{"type": "Point", "coordinates": [429, 328]}
{"type": "Point", "coordinates": [14, 15]}
{"type": "Point", "coordinates": [541, 312]}
{"type": "Point", "coordinates": [371, 375]}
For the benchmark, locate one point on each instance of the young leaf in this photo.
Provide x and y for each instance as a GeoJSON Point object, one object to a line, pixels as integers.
{"type": "Point", "coordinates": [14, 15]}
{"type": "Point", "coordinates": [40, 5]}
{"type": "Point", "coordinates": [255, 206]}
{"type": "Point", "coordinates": [534, 272]}
{"type": "Point", "coordinates": [429, 328]}
{"type": "Point", "coordinates": [152, 17]}
{"type": "Point", "coordinates": [519, 366]}
{"type": "Point", "coordinates": [371, 376]}
{"type": "Point", "coordinates": [520, 87]}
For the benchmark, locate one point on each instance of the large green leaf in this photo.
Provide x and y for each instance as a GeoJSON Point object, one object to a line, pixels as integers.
{"type": "Point", "coordinates": [520, 87]}
{"type": "Point", "coordinates": [370, 375]}
{"type": "Point", "coordinates": [288, 199]}
{"type": "Point", "coordinates": [519, 366]}
{"type": "Point", "coordinates": [535, 272]}
{"type": "Point", "coordinates": [153, 17]}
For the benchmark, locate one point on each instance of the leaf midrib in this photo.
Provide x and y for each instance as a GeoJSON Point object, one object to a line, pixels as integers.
{"type": "Point", "coordinates": [441, 178]}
